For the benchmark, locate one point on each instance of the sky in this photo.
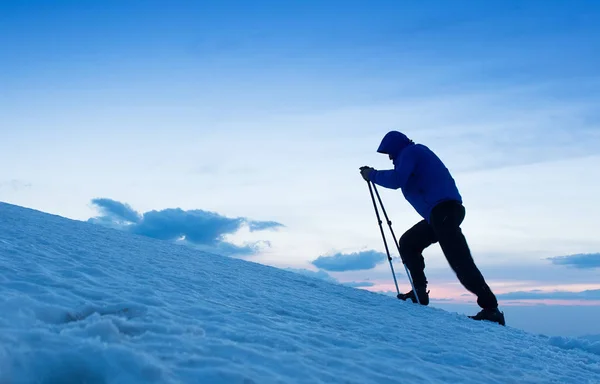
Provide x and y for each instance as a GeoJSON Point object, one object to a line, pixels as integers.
{"type": "Point", "coordinates": [239, 127]}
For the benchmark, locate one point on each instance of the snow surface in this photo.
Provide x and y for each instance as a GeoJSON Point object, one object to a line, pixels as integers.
{"type": "Point", "coordinates": [83, 303]}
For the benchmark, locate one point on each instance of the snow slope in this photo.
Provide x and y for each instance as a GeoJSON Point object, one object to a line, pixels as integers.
{"type": "Point", "coordinates": [83, 303]}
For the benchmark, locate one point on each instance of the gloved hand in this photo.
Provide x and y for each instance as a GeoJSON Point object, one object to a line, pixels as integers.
{"type": "Point", "coordinates": [365, 171]}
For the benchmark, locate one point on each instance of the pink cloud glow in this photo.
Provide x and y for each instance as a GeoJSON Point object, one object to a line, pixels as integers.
{"type": "Point", "coordinates": [454, 292]}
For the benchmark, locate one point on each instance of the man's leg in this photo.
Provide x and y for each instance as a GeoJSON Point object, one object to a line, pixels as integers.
{"type": "Point", "coordinates": [446, 219]}
{"type": "Point", "coordinates": [411, 244]}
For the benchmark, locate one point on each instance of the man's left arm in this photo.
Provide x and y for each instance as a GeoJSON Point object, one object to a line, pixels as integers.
{"type": "Point", "coordinates": [397, 177]}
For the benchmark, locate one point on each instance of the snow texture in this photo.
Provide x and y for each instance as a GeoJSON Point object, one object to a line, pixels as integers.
{"type": "Point", "coordinates": [81, 303]}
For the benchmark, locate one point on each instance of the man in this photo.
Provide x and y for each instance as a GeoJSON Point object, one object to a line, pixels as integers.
{"type": "Point", "coordinates": [429, 187]}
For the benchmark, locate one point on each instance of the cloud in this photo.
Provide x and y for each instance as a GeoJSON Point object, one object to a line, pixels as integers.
{"type": "Point", "coordinates": [262, 225]}
{"type": "Point", "coordinates": [15, 184]}
{"type": "Point", "coordinates": [356, 261]}
{"type": "Point", "coordinates": [593, 294]}
{"type": "Point", "coordinates": [198, 228]}
{"type": "Point", "coordinates": [316, 274]}
{"type": "Point", "coordinates": [320, 274]}
{"type": "Point", "coordinates": [582, 260]}
{"type": "Point", "coordinates": [359, 284]}
{"type": "Point", "coordinates": [116, 211]}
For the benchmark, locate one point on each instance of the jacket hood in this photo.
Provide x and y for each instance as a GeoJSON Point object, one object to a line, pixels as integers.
{"type": "Point", "coordinates": [393, 143]}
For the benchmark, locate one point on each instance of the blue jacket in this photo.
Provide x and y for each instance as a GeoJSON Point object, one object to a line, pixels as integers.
{"type": "Point", "coordinates": [424, 179]}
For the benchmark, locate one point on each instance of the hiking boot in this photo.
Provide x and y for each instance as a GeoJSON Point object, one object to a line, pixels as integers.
{"type": "Point", "coordinates": [493, 315]}
{"type": "Point", "coordinates": [421, 292]}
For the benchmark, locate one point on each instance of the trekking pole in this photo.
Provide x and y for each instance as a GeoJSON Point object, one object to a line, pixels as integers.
{"type": "Point", "coordinates": [383, 236]}
{"type": "Point", "coordinates": [395, 241]}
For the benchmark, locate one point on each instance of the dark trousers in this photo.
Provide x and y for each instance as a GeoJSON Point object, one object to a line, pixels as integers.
{"type": "Point", "coordinates": [444, 227]}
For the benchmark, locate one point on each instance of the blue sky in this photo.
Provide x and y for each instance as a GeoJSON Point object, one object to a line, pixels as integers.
{"type": "Point", "coordinates": [247, 122]}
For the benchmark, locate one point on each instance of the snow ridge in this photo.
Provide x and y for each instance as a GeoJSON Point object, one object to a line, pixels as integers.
{"type": "Point", "coordinates": [84, 303]}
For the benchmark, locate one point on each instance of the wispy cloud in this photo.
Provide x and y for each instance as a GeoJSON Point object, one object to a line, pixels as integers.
{"type": "Point", "coordinates": [320, 274]}
{"type": "Point", "coordinates": [316, 274]}
{"type": "Point", "coordinates": [262, 225]}
{"type": "Point", "coordinates": [582, 260]}
{"type": "Point", "coordinates": [15, 184]}
{"type": "Point", "coordinates": [116, 211]}
{"type": "Point", "coordinates": [355, 261]}
{"type": "Point", "coordinates": [593, 294]}
{"type": "Point", "coordinates": [359, 284]}
{"type": "Point", "coordinates": [198, 228]}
